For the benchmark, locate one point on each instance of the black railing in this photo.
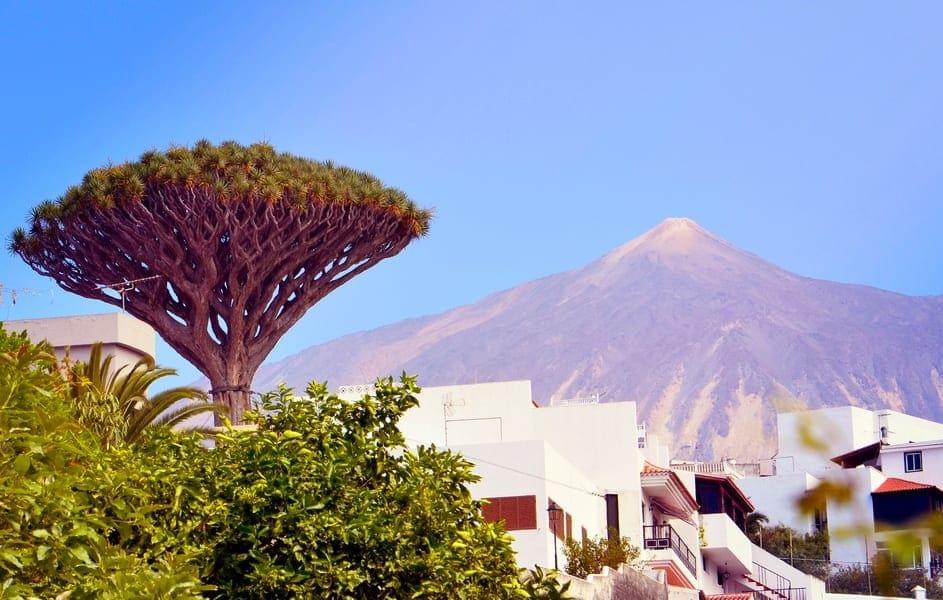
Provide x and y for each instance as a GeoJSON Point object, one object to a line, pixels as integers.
{"type": "Point", "coordinates": [787, 594]}
{"type": "Point", "coordinates": [776, 587]}
{"type": "Point", "coordinates": [664, 536]}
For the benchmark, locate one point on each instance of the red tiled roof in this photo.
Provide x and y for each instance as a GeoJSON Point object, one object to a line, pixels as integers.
{"type": "Point", "coordinates": [740, 596]}
{"type": "Point", "coordinates": [894, 484]}
{"type": "Point", "coordinates": [650, 469]}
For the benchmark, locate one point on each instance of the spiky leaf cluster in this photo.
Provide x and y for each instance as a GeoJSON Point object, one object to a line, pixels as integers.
{"type": "Point", "coordinates": [232, 172]}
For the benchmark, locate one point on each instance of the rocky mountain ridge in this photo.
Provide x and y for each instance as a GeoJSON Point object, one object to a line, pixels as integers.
{"type": "Point", "coordinates": [707, 338]}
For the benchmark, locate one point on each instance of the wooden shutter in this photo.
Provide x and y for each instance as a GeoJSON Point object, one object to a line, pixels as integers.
{"type": "Point", "coordinates": [517, 512]}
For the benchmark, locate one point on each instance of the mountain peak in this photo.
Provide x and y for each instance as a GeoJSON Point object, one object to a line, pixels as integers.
{"type": "Point", "coordinates": [673, 236]}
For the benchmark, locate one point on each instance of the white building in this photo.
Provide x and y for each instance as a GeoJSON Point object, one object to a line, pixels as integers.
{"type": "Point", "coordinates": [122, 336]}
{"type": "Point", "coordinates": [606, 473]}
{"type": "Point", "coordinates": [893, 462]}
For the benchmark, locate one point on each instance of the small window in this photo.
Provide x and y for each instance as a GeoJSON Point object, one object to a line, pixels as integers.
{"type": "Point", "coordinates": [913, 461]}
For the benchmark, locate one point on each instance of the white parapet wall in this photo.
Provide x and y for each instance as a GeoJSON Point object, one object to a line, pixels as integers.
{"type": "Point", "coordinates": [864, 597]}
{"type": "Point", "coordinates": [122, 336]}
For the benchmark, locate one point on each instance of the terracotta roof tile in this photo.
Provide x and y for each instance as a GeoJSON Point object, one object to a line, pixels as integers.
{"type": "Point", "coordinates": [894, 484]}
{"type": "Point", "coordinates": [739, 596]}
{"type": "Point", "coordinates": [650, 469]}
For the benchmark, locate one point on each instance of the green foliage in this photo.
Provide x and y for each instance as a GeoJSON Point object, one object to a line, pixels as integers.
{"type": "Point", "coordinates": [883, 578]}
{"type": "Point", "coordinates": [591, 555]}
{"type": "Point", "coordinates": [322, 499]}
{"type": "Point", "coordinates": [60, 496]}
{"type": "Point", "coordinates": [754, 522]}
{"type": "Point", "coordinates": [114, 402]}
{"type": "Point", "coordinates": [807, 552]}
{"type": "Point", "coordinates": [544, 584]}
{"type": "Point", "coordinates": [230, 172]}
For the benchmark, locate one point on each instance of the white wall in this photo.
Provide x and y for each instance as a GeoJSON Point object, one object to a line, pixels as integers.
{"type": "Point", "coordinates": [892, 462]}
{"type": "Point", "coordinates": [122, 336]}
{"type": "Point", "coordinates": [777, 497]}
{"type": "Point", "coordinates": [902, 428]}
{"type": "Point", "coordinates": [476, 413]}
{"type": "Point", "coordinates": [657, 450]}
{"type": "Point", "coordinates": [532, 467]}
{"type": "Point", "coordinates": [851, 525]}
{"type": "Point", "coordinates": [840, 429]}
{"type": "Point", "coordinates": [815, 588]}
{"type": "Point", "coordinates": [600, 439]}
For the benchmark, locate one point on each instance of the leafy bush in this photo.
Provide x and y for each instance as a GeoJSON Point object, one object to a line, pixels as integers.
{"type": "Point", "coordinates": [591, 555]}
{"type": "Point", "coordinates": [57, 525]}
{"type": "Point", "coordinates": [883, 578]}
{"type": "Point", "coordinates": [545, 585]}
{"type": "Point", "coordinates": [807, 552]}
{"type": "Point", "coordinates": [323, 499]}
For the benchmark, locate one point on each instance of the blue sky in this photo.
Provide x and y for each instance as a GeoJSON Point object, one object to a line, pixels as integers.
{"type": "Point", "coordinates": [544, 134]}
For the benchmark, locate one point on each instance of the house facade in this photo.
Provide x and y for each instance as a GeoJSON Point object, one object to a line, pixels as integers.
{"type": "Point", "coordinates": [583, 469]}
{"type": "Point", "coordinates": [892, 462]}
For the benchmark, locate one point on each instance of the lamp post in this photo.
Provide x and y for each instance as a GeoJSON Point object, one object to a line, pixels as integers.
{"type": "Point", "coordinates": [555, 512]}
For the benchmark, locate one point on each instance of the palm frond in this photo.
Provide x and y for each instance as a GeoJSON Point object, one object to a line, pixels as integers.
{"type": "Point", "coordinates": [179, 415]}
{"type": "Point", "coordinates": [115, 403]}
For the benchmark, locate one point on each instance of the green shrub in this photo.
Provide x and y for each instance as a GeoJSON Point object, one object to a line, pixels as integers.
{"type": "Point", "coordinates": [807, 552]}
{"type": "Point", "coordinates": [591, 555]}
{"type": "Point", "coordinates": [323, 500]}
{"type": "Point", "coordinates": [57, 523]}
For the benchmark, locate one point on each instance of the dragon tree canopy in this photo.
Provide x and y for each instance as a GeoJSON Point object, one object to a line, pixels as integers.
{"type": "Point", "coordinates": [220, 248]}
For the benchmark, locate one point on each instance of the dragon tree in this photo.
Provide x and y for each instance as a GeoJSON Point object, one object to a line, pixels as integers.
{"type": "Point", "coordinates": [221, 249]}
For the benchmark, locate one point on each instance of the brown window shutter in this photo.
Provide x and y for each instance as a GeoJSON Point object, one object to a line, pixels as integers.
{"type": "Point", "coordinates": [491, 511]}
{"type": "Point", "coordinates": [584, 536]}
{"type": "Point", "coordinates": [569, 526]}
{"type": "Point", "coordinates": [527, 507]}
{"type": "Point", "coordinates": [516, 512]}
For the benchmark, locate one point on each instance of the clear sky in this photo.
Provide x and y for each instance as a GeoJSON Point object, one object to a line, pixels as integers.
{"type": "Point", "coordinates": [544, 134]}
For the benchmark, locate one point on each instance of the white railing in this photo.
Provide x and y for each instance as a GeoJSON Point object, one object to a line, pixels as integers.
{"type": "Point", "coordinates": [576, 401]}
{"type": "Point", "coordinates": [719, 467]}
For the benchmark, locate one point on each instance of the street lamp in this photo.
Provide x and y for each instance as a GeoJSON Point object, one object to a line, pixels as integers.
{"type": "Point", "coordinates": [555, 513]}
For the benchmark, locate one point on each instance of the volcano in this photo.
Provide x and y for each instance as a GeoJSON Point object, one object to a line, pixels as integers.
{"type": "Point", "coordinates": [709, 339]}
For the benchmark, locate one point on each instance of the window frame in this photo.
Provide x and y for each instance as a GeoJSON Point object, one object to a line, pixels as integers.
{"type": "Point", "coordinates": [913, 461]}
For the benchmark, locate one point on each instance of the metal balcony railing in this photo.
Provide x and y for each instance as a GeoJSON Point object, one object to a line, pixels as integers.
{"type": "Point", "coordinates": [788, 594]}
{"type": "Point", "coordinates": [773, 585]}
{"type": "Point", "coordinates": [664, 536]}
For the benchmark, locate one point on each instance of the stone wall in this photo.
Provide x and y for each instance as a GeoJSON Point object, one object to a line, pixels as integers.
{"type": "Point", "coordinates": [623, 583]}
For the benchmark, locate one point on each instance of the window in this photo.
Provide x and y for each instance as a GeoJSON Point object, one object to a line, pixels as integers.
{"type": "Point", "coordinates": [913, 461]}
{"type": "Point", "coordinates": [517, 512]}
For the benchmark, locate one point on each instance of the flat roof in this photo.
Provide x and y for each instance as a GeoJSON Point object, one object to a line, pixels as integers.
{"type": "Point", "coordinates": [912, 445]}
{"type": "Point", "coordinates": [116, 328]}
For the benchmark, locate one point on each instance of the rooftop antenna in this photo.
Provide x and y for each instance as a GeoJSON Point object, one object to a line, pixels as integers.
{"type": "Point", "coordinates": [123, 287]}
{"type": "Point", "coordinates": [448, 409]}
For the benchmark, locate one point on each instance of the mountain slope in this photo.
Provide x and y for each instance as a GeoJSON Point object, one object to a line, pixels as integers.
{"type": "Point", "coordinates": [706, 337]}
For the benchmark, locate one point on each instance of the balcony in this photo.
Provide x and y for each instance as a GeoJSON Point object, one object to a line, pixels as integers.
{"type": "Point", "coordinates": [725, 545]}
{"type": "Point", "coordinates": [662, 540]}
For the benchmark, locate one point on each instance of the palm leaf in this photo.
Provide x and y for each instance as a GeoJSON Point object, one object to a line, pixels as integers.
{"type": "Point", "coordinates": [115, 403]}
